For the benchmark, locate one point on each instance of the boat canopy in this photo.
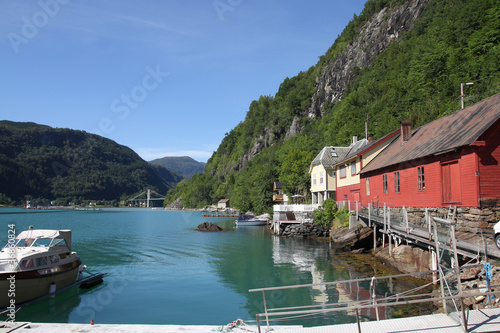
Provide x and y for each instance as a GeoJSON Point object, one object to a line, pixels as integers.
{"type": "Point", "coordinates": [30, 235]}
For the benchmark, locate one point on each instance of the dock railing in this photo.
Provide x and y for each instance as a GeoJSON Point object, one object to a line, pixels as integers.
{"type": "Point", "coordinates": [375, 302]}
{"type": "Point", "coordinates": [446, 271]}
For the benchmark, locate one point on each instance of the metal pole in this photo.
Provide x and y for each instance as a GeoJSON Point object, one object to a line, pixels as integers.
{"type": "Point", "coordinates": [369, 215]}
{"type": "Point", "coordinates": [462, 91]}
{"type": "Point", "coordinates": [438, 260]}
{"type": "Point", "coordinates": [265, 307]}
{"type": "Point", "coordinates": [357, 319]}
{"type": "Point", "coordinates": [459, 280]}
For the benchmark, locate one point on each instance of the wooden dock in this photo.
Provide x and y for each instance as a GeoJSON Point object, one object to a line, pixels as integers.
{"type": "Point", "coordinates": [420, 235]}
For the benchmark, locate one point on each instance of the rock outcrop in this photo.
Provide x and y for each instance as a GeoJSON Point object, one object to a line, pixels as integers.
{"type": "Point", "coordinates": [406, 259]}
{"type": "Point", "coordinates": [207, 226]}
{"type": "Point", "coordinates": [358, 238]}
{"type": "Point", "coordinates": [374, 38]}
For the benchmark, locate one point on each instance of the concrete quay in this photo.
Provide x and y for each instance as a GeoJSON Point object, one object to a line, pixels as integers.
{"type": "Point", "coordinates": [486, 320]}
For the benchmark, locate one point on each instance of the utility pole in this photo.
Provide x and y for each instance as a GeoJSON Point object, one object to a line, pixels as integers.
{"type": "Point", "coordinates": [462, 91]}
{"type": "Point", "coordinates": [366, 126]}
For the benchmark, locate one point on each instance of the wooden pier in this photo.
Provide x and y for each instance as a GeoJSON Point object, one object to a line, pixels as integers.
{"type": "Point", "coordinates": [423, 236]}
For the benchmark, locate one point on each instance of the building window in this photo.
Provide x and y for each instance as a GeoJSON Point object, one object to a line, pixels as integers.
{"type": "Point", "coordinates": [321, 176]}
{"type": "Point", "coordinates": [396, 182]}
{"type": "Point", "coordinates": [314, 179]}
{"type": "Point", "coordinates": [353, 168]}
{"type": "Point", "coordinates": [421, 179]}
{"type": "Point", "coordinates": [342, 173]}
{"type": "Point", "coordinates": [367, 186]}
{"type": "Point", "coordinates": [384, 183]}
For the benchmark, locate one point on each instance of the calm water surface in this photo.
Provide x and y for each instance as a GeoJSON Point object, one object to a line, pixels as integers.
{"type": "Point", "coordinates": [162, 271]}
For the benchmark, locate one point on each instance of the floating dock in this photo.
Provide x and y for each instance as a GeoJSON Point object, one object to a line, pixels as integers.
{"type": "Point", "coordinates": [219, 215]}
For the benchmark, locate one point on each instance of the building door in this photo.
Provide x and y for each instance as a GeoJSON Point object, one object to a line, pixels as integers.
{"type": "Point", "coordinates": [451, 182]}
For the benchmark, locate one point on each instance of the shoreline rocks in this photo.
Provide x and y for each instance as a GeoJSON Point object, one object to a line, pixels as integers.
{"type": "Point", "coordinates": [305, 230]}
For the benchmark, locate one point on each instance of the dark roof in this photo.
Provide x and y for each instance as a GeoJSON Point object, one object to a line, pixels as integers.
{"type": "Point", "coordinates": [356, 147]}
{"type": "Point", "coordinates": [278, 185]}
{"type": "Point", "coordinates": [330, 156]}
{"type": "Point", "coordinates": [458, 129]}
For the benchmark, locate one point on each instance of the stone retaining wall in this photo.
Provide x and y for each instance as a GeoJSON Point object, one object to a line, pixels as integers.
{"type": "Point", "coordinates": [469, 219]}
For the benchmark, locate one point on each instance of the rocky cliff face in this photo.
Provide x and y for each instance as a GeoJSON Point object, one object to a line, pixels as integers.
{"type": "Point", "coordinates": [374, 37]}
{"type": "Point", "coordinates": [383, 28]}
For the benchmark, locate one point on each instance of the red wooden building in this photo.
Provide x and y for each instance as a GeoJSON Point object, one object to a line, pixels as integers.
{"type": "Point", "coordinates": [451, 161]}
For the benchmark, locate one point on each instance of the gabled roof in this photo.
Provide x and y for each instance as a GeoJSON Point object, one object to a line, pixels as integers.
{"type": "Point", "coordinates": [329, 156]}
{"type": "Point", "coordinates": [461, 128]}
{"type": "Point", "coordinates": [356, 148]}
{"type": "Point", "coordinates": [378, 142]}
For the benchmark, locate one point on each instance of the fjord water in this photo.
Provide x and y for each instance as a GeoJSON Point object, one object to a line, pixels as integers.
{"type": "Point", "coordinates": [160, 270]}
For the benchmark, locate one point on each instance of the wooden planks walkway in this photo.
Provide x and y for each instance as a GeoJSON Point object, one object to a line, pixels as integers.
{"type": "Point", "coordinates": [421, 235]}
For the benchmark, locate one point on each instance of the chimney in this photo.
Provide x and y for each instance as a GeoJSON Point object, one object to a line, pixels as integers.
{"type": "Point", "coordinates": [370, 138]}
{"type": "Point", "coordinates": [405, 131]}
{"type": "Point", "coordinates": [354, 139]}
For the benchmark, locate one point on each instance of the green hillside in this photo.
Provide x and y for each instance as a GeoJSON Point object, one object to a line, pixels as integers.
{"type": "Point", "coordinates": [185, 165]}
{"type": "Point", "coordinates": [415, 77]}
{"type": "Point", "coordinates": [38, 161]}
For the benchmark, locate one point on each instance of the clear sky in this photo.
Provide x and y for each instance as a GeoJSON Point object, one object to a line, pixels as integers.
{"type": "Point", "coordinates": [163, 77]}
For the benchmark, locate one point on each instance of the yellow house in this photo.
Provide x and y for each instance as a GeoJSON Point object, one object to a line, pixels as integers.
{"type": "Point", "coordinates": [361, 153]}
{"type": "Point", "coordinates": [322, 170]}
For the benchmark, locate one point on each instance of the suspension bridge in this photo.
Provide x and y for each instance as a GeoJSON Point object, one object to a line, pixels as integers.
{"type": "Point", "coordinates": [146, 197]}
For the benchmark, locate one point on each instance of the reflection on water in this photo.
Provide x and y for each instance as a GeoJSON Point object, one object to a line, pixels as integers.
{"type": "Point", "coordinates": [162, 271]}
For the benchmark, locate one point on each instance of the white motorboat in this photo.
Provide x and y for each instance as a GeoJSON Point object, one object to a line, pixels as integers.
{"type": "Point", "coordinates": [36, 263]}
{"type": "Point", "coordinates": [250, 220]}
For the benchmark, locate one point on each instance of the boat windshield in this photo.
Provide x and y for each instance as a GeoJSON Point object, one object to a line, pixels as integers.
{"type": "Point", "coordinates": [41, 242]}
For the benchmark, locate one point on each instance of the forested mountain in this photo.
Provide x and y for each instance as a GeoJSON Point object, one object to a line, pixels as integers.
{"type": "Point", "coordinates": [398, 60]}
{"type": "Point", "coordinates": [38, 161]}
{"type": "Point", "coordinates": [185, 165]}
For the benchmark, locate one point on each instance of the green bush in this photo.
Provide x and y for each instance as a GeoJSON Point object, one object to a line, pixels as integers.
{"type": "Point", "coordinates": [328, 215]}
{"type": "Point", "coordinates": [325, 214]}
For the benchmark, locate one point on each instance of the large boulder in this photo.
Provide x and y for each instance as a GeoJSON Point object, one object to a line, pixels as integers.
{"type": "Point", "coordinates": [352, 239]}
{"type": "Point", "coordinates": [207, 226]}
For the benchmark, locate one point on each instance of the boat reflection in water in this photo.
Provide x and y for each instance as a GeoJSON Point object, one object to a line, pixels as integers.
{"type": "Point", "coordinates": [36, 263]}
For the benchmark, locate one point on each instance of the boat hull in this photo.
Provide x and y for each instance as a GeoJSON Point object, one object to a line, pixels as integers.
{"type": "Point", "coordinates": [252, 223]}
{"type": "Point", "coordinates": [30, 285]}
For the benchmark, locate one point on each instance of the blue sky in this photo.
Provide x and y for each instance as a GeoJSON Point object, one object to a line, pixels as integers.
{"type": "Point", "coordinates": [163, 77]}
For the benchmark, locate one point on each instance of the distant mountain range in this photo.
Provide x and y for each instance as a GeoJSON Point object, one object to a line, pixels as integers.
{"type": "Point", "coordinates": [38, 161]}
{"type": "Point", "coordinates": [185, 166]}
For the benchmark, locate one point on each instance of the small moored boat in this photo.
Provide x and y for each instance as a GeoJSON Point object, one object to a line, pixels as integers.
{"type": "Point", "coordinates": [250, 220]}
{"type": "Point", "coordinates": [36, 263]}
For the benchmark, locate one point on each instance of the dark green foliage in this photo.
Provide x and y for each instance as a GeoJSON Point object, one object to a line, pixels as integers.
{"type": "Point", "coordinates": [325, 214]}
{"type": "Point", "coordinates": [416, 78]}
{"type": "Point", "coordinates": [328, 215]}
{"type": "Point", "coordinates": [185, 166]}
{"type": "Point", "coordinates": [42, 162]}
